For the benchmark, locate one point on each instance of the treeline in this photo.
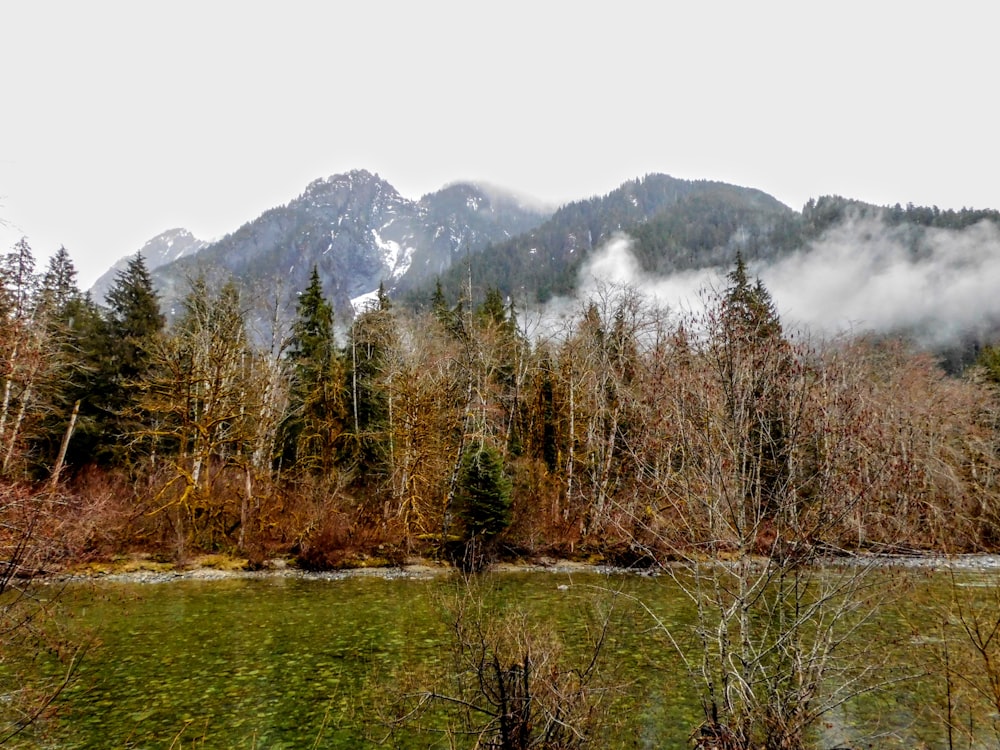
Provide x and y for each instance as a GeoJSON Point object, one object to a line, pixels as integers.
{"type": "Point", "coordinates": [628, 433]}
{"type": "Point", "coordinates": [820, 214]}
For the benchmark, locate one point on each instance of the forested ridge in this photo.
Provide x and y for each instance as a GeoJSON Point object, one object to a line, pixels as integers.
{"type": "Point", "coordinates": [624, 436]}
{"type": "Point", "coordinates": [674, 225]}
{"type": "Point", "coordinates": [677, 225]}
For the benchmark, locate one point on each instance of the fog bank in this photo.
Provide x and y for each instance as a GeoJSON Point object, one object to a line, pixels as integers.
{"type": "Point", "coordinates": [860, 276]}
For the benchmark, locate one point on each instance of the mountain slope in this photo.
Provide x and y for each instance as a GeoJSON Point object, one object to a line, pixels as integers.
{"type": "Point", "coordinates": [675, 223]}
{"type": "Point", "coordinates": [359, 232]}
{"type": "Point", "coordinates": [162, 249]}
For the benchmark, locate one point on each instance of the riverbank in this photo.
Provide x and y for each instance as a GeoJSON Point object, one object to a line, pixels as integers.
{"type": "Point", "coordinates": [141, 568]}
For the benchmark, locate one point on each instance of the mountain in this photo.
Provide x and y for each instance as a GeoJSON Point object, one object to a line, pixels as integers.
{"type": "Point", "coordinates": [932, 265]}
{"type": "Point", "coordinates": [164, 248]}
{"type": "Point", "coordinates": [359, 232]}
{"type": "Point", "coordinates": [675, 224]}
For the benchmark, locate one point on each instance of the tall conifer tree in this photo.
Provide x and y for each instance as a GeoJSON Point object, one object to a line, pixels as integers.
{"type": "Point", "coordinates": [317, 409]}
{"type": "Point", "coordinates": [753, 361]}
{"type": "Point", "coordinates": [134, 320]}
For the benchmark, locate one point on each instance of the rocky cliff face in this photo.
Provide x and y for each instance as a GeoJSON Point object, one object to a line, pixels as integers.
{"type": "Point", "coordinates": [164, 248]}
{"type": "Point", "coordinates": [359, 232]}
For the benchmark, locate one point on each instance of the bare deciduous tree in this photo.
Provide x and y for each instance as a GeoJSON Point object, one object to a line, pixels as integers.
{"type": "Point", "coordinates": [724, 462]}
{"type": "Point", "coordinates": [509, 684]}
{"type": "Point", "coordinates": [29, 630]}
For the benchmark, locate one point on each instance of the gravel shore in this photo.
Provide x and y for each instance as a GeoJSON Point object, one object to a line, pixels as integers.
{"type": "Point", "coordinates": [429, 569]}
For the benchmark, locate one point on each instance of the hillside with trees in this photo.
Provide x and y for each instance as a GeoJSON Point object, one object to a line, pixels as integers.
{"type": "Point", "coordinates": [629, 434]}
{"type": "Point", "coordinates": [676, 224]}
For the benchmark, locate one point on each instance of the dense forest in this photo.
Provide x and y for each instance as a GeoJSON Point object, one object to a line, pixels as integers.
{"type": "Point", "coordinates": [627, 435]}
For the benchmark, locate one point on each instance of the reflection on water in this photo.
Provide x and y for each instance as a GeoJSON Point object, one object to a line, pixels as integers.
{"type": "Point", "coordinates": [290, 663]}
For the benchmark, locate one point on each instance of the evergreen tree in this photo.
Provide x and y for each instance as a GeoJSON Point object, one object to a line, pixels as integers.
{"type": "Point", "coordinates": [44, 363]}
{"type": "Point", "coordinates": [134, 321]}
{"type": "Point", "coordinates": [58, 306]}
{"type": "Point", "coordinates": [492, 311]}
{"type": "Point", "coordinates": [439, 305]}
{"type": "Point", "coordinates": [483, 493]}
{"type": "Point", "coordinates": [482, 501]}
{"type": "Point", "coordinates": [748, 310]}
{"type": "Point", "coordinates": [18, 282]}
{"type": "Point", "coordinates": [754, 361]}
{"type": "Point", "coordinates": [316, 412]}
{"type": "Point", "coordinates": [312, 333]}
{"type": "Point", "coordinates": [59, 287]}
{"type": "Point", "coordinates": [450, 318]}
{"type": "Point", "coordinates": [370, 358]}
{"type": "Point", "coordinates": [23, 352]}
{"type": "Point", "coordinates": [543, 415]}
{"type": "Point", "coordinates": [384, 303]}
{"type": "Point", "coordinates": [989, 362]}
{"type": "Point", "coordinates": [86, 349]}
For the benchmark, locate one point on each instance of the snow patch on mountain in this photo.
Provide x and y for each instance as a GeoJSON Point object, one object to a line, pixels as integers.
{"type": "Point", "coordinates": [390, 249]}
{"type": "Point", "coordinates": [364, 302]}
{"type": "Point", "coordinates": [357, 231]}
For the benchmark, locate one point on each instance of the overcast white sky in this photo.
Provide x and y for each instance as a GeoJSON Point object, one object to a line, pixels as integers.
{"type": "Point", "coordinates": [119, 120]}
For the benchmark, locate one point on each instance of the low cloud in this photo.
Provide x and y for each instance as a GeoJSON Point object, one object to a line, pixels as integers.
{"type": "Point", "coordinates": [612, 268]}
{"type": "Point", "coordinates": [615, 264]}
{"type": "Point", "coordinates": [860, 276]}
{"type": "Point", "coordinates": [863, 275]}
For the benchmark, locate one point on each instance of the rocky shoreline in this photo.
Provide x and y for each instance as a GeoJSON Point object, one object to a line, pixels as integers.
{"type": "Point", "coordinates": [151, 573]}
{"type": "Point", "coordinates": [279, 568]}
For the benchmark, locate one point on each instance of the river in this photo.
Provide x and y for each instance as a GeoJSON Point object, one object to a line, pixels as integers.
{"type": "Point", "coordinates": [300, 662]}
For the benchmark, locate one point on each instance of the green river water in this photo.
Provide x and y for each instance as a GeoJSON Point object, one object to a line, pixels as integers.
{"type": "Point", "coordinates": [290, 662]}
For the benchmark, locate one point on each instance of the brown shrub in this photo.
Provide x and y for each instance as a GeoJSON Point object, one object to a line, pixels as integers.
{"type": "Point", "coordinates": [342, 540]}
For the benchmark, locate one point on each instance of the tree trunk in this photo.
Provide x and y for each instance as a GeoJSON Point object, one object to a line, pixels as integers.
{"type": "Point", "coordinates": [57, 470]}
